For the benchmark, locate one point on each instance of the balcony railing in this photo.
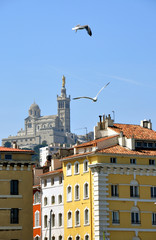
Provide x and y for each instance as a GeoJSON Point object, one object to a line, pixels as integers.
{"type": "Point", "coordinates": [135, 222]}
{"type": "Point", "coordinates": [115, 221]}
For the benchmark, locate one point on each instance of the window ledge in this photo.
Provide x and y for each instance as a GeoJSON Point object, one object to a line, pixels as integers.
{"type": "Point", "coordinates": [87, 224]}
{"type": "Point", "coordinates": [10, 196]}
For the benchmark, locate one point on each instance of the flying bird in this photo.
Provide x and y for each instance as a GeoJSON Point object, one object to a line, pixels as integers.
{"type": "Point", "coordinates": [79, 27]}
{"type": "Point", "coordinates": [95, 98]}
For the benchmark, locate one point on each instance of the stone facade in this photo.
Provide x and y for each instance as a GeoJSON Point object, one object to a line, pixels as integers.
{"type": "Point", "coordinates": [52, 129]}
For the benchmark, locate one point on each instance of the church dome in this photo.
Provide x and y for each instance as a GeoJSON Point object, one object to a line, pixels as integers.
{"type": "Point", "coordinates": [34, 106]}
{"type": "Point", "coordinates": [34, 110]}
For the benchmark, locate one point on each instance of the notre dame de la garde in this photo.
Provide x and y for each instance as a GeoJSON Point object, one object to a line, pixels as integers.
{"type": "Point", "coordinates": [52, 129]}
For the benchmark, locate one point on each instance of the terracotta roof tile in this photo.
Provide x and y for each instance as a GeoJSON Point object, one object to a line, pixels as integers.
{"type": "Point", "coordinates": [51, 172]}
{"type": "Point", "coordinates": [94, 142]}
{"type": "Point", "coordinates": [5, 149]}
{"type": "Point", "coordinates": [117, 149]}
{"type": "Point", "coordinates": [136, 131]}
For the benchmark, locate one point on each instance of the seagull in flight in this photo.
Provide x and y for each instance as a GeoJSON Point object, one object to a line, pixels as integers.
{"type": "Point", "coordinates": [79, 27]}
{"type": "Point", "coordinates": [95, 98]}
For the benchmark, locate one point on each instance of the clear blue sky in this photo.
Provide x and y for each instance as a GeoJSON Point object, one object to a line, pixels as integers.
{"type": "Point", "coordinates": [37, 46]}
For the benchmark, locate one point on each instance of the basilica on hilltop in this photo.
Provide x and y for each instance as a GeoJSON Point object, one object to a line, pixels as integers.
{"type": "Point", "coordinates": [50, 129]}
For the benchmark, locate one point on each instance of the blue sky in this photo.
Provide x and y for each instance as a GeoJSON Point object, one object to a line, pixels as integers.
{"type": "Point", "coordinates": [37, 46]}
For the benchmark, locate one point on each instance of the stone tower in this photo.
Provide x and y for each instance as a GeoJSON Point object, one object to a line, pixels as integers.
{"type": "Point", "coordinates": [63, 108]}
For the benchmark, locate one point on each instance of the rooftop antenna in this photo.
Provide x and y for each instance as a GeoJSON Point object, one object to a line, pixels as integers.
{"type": "Point", "coordinates": [113, 115]}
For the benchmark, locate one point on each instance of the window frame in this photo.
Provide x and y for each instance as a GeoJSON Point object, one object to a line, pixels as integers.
{"type": "Point", "coordinates": [68, 171]}
{"type": "Point", "coordinates": [76, 168]}
{"type": "Point", "coordinates": [85, 169]}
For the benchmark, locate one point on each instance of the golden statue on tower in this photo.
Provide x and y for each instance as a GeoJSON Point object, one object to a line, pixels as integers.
{"type": "Point", "coordinates": [63, 81]}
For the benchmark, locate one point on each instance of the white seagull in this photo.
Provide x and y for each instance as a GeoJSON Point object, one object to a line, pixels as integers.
{"type": "Point", "coordinates": [79, 27]}
{"type": "Point", "coordinates": [95, 98]}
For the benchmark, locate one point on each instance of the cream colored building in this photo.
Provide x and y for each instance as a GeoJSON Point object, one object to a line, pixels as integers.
{"type": "Point", "coordinates": [16, 215]}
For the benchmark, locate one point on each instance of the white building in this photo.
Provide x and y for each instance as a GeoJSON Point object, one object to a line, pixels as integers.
{"type": "Point", "coordinates": [52, 207]}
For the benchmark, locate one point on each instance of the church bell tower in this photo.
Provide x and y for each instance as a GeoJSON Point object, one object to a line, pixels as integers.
{"type": "Point", "coordinates": [64, 108]}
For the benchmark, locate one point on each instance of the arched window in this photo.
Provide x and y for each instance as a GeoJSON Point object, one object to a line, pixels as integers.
{"type": "Point", "coordinates": [77, 192]}
{"type": "Point", "coordinates": [59, 198]}
{"type": "Point", "coordinates": [53, 220]}
{"type": "Point", "coordinates": [77, 237]}
{"type": "Point", "coordinates": [69, 193]}
{"type": "Point", "coordinates": [86, 237]}
{"type": "Point", "coordinates": [86, 216]}
{"type": "Point", "coordinates": [70, 238]}
{"type": "Point", "coordinates": [37, 238]}
{"type": "Point", "coordinates": [76, 168]}
{"type": "Point", "coordinates": [85, 165]}
{"type": "Point", "coordinates": [45, 201]}
{"type": "Point", "coordinates": [53, 200]}
{"type": "Point", "coordinates": [37, 217]}
{"type": "Point", "coordinates": [77, 217]}
{"type": "Point", "coordinates": [86, 191]}
{"type": "Point", "coordinates": [134, 189]}
{"type": "Point", "coordinates": [37, 197]}
{"type": "Point", "coordinates": [60, 237]}
{"type": "Point", "coordinates": [60, 219]}
{"type": "Point", "coordinates": [45, 221]}
{"type": "Point", "coordinates": [135, 215]}
{"type": "Point", "coordinates": [69, 219]}
{"type": "Point", "coordinates": [53, 238]}
{"type": "Point", "coordinates": [69, 172]}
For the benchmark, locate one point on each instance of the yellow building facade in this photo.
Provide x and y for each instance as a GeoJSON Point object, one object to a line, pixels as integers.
{"type": "Point", "coordinates": [16, 215]}
{"type": "Point", "coordinates": [110, 184]}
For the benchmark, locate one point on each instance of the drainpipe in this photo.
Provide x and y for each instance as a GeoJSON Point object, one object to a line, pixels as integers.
{"type": "Point", "coordinates": [50, 225]}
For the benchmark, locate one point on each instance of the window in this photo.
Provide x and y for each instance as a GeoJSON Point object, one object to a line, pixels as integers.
{"type": "Point", "coordinates": [45, 182]}
{"type": "Point", "coordinates": [53, 200]}
{"type": "Point", "coordinates": [138, 144]}
{"type": "Point", "coordinates": [132, 161]}
{"type": "Point", "coordinates": [135, 218]}
{"type": "Point", "coordinates": [60, 219]}
{"type": "Point", "coordinates": [153, 218]}
{"type": "Point", "coordinates": [52, 181]}
{"type": "Point", "coordinates": [53, 238]}
{"type": "Point", "coordinates": [115, 217]}
{"type": "Point", "coordinates": [69, 169]}
{"type": "Point", "coordinates": [69, 219]}
{"type": "Point", "coordinates": [77, 237]}
{"type": "Point", "coordinates": [86, 191]}
{"type": "Point", "coordinates": [69, 193]}
{"type": "Point", "coordinates": [59, 199]}
{"type": "Point", "coordinates": [86, 237]}
{"type": "Point", "coordinates": [134, 189]}
{"type": "Point", "coordinates": [114, 191]}
{"type": "Point", "coordinates": [85, 166]}
{"type": "Point", "coordinates": [37, 197]}
{"type": "Point", "coordinates": [86, 216]}
{"type": "Point", "coordinates": [151, 162]}
{"type": "Point", "coordinates": [37, 219]}
{"type": "Point", "coordinates": [150, 144]}
{"type": "Point", "coordinates": [112, 160]}
{"type": "Point", "coordinates": [14, 187]}
{"type": "Point", "coordinates": [77, 192]}
{"type": "Point", "coordinates": [45, 201]}
{"type": "Point", "coordinates": [70, 238]}
{"type": "Point", "coordinates": [45, 221]}
{"type": "Point", "coordinates": [8, 156]}
{"type": "Point", "coordinates": [77, 218]}
{"type": "Point", "coordinates": [53, 220]}
{"type": "Point", "coordinates": [76, 167]}
{"type": "Point", "coordinates": [14, 215]}
{"type": "Point", "coordinates": [153, 192]}
{"type": "Point", "coordinates": [60, 237]}
{"type": "Point", "coordinates": [60, 180]}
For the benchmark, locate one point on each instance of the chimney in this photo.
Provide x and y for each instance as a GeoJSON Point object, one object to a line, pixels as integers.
{"type": "Point", "coordinates": [146, 124]}
{"type": "Point", "coordinates": [14, 145]}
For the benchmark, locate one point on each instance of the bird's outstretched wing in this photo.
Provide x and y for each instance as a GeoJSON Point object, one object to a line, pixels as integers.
{"type": "Point", "coordinates": [88, 30]}
{"type": "Point", "coordinates": [83, 97]}
{"type": "Point", "coordinates": [102, 89]}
